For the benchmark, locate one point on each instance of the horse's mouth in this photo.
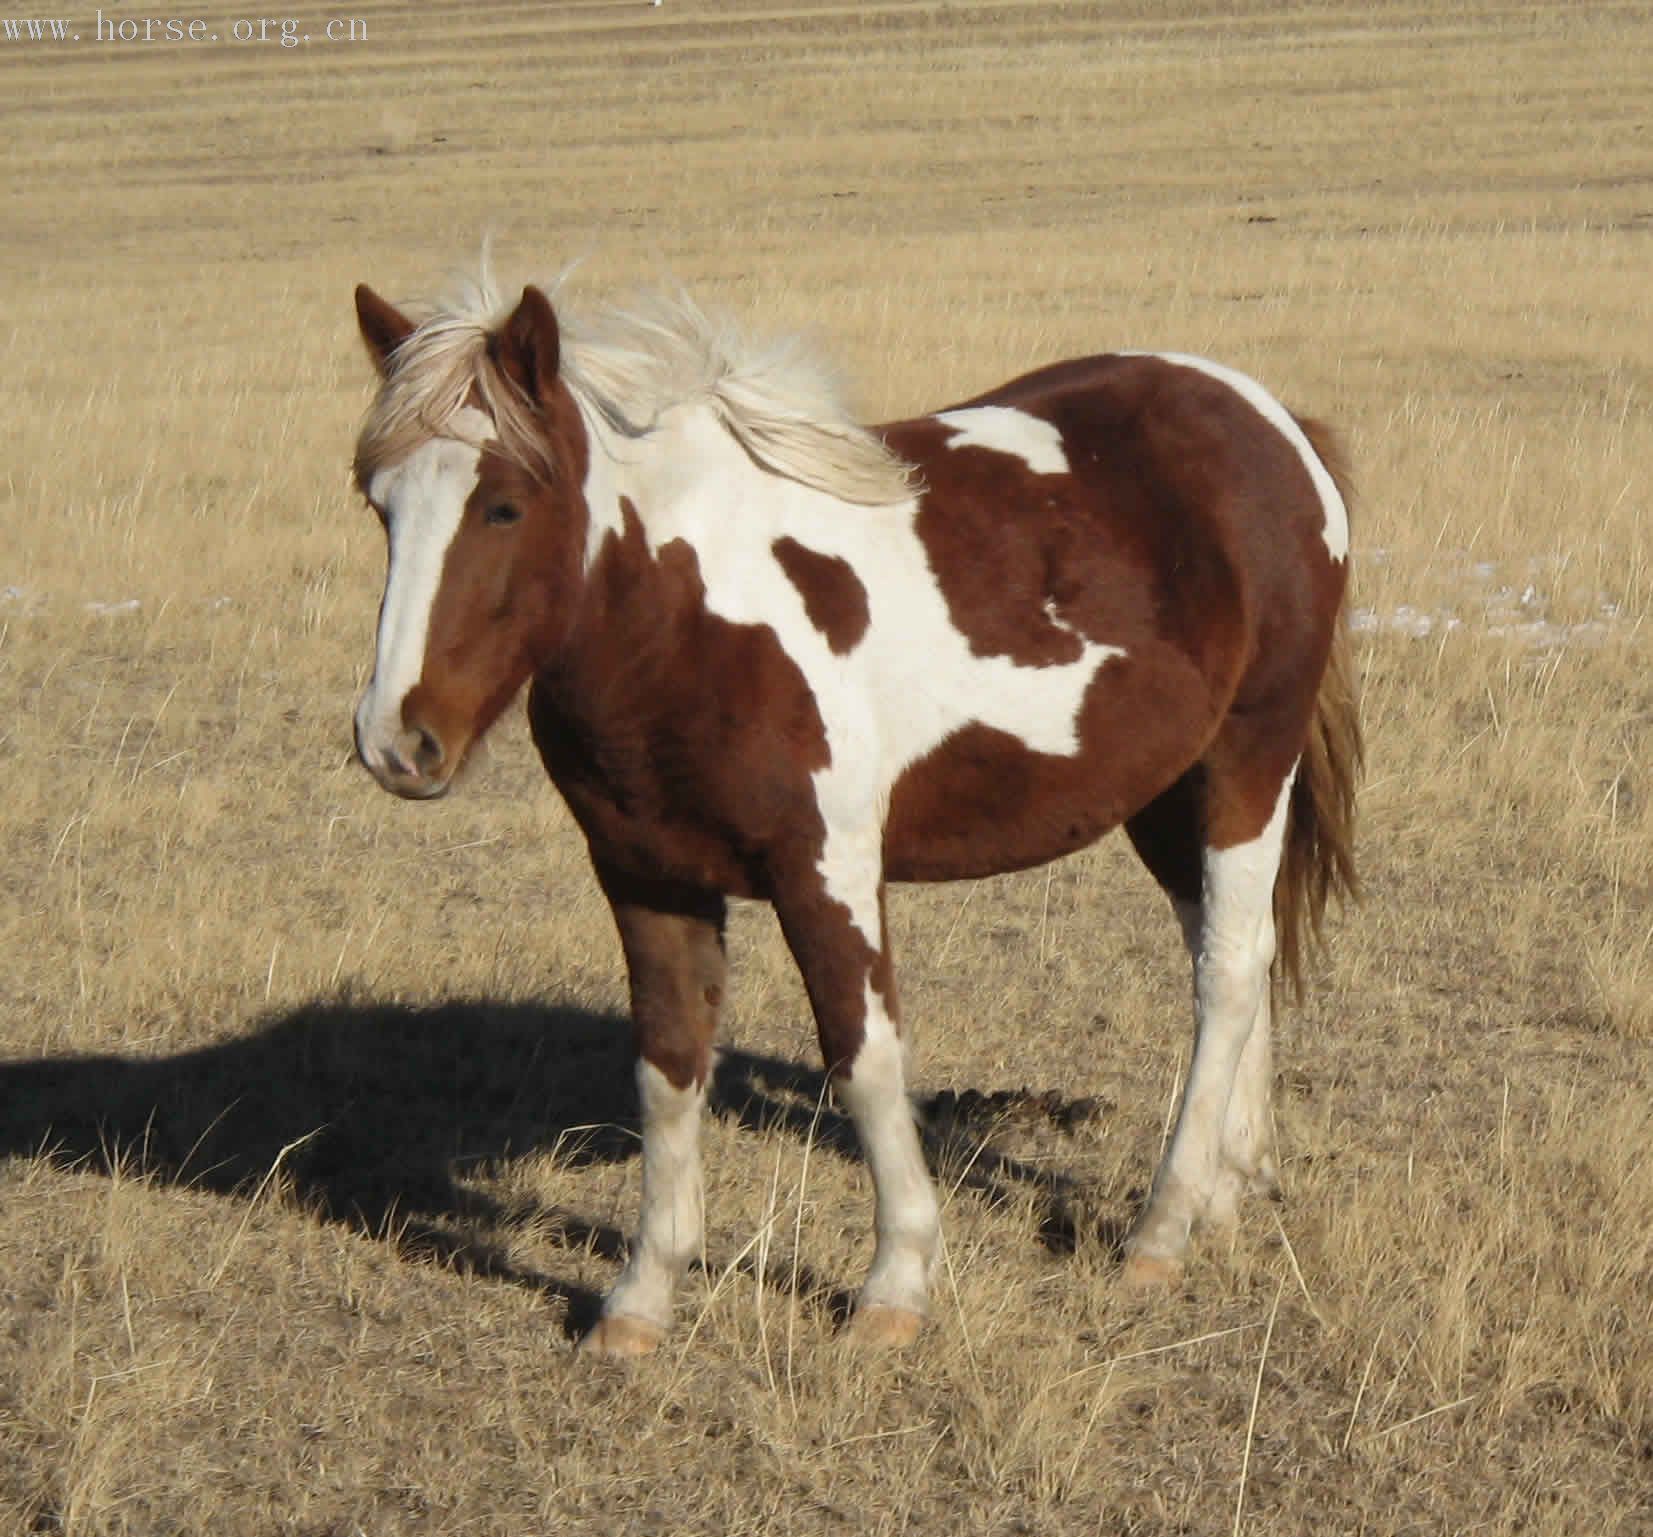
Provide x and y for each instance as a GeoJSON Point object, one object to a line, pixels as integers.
{"type": "Point", "coordinates": [405, 781]}
{"type": "Point", "coordinates": [417, 789]}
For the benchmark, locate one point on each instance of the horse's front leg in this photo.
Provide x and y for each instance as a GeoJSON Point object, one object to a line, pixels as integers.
{"type": "Point", "coordinates": [673, 940]}
{"type": "Point", "coordinates": [837, 934]}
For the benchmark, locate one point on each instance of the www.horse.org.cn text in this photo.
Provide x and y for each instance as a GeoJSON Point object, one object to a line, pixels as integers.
{"type": "Point", "coordinates": [285, 31]}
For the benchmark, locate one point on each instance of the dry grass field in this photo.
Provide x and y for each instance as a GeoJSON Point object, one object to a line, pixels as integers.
{"type": "Point", "coordinates": [316, 1134]}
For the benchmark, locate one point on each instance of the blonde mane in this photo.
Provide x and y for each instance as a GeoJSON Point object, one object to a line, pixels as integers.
{"type": "Point", "coordinates": [626, 366]}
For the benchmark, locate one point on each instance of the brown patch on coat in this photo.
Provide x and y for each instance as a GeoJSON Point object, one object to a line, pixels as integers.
{"type": "Point", "coordinates": [684, 743]}
{"type": "Point", "coordinates": [834, 598]}
{"type": "Point", "coordinates": [1135, 540]}
{"type": "Point", "coordinates": [982, 802]}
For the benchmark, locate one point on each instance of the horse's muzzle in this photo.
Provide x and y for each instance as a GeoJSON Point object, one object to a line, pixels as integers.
{"type": "Point", "coordinates": [411, 762]}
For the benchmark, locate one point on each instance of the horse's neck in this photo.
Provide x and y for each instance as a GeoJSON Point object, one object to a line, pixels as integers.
{"type": "Point", "coordinates": [687, 479]}
{"type": "Point", "coordinates": [641, 588]}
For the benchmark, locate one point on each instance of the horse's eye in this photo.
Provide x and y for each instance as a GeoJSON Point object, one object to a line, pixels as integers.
{"type": "Point", "coordinates": [503, 513]}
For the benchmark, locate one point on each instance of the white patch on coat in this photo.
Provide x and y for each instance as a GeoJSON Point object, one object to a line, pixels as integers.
{"type": "Point", "coordinates": [1335, 525]}
{"type": "Point", "coordinates": [1005, 430]}
{"type": "Point", "coordinates": [911, 682]}
{"type": "Point", "coordinates": [423, 500]}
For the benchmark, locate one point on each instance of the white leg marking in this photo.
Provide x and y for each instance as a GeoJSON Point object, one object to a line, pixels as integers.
{"type": "Point", "coordinates": [1005, 430]}
{"type": "Point", "coordinates": [1335, 528]}
{"type": "Point", "coordinates": [1236, 949]}
{"type": "Point", "coordinates": [423, 499]}
{"type": "Point", "coordinates": [669, 1233]}
{"type": "Point", "coordinates": [906, 1215]}
{"type": "Point", "coordinates": [1247, 1160]}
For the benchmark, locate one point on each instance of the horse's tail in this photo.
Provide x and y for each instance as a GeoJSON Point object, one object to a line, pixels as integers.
{"type": "Point", "coordinates": [1318, 860]}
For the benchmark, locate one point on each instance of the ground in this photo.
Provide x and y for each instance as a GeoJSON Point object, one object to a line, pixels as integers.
{"type": "Point", "coordinates": [315, 1111]}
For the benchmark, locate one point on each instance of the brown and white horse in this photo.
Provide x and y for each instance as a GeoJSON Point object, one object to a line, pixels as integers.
{"type": "Point", "coordinates": [775, 654]}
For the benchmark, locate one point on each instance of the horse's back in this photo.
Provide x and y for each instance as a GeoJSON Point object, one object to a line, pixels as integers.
{"type": "Point", "coordinates": [1172, 498]}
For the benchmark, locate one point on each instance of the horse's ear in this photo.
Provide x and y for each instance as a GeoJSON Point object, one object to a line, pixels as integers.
{"type": "Point", "coordinates": [384, 327]}
{"type": "Point", "coordinates": [528, 346]}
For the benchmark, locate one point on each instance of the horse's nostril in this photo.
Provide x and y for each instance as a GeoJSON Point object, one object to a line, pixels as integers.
{"type": "Point", "coordinates": [427, 750]}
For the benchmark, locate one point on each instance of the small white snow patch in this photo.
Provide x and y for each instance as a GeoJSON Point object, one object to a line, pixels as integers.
{"type": "Point", "coordinates": [1404, 619]}
{"type": "Point", "coordinates": [1507, 598]}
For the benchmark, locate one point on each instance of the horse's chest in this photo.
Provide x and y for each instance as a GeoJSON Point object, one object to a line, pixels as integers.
{"type": "Point", "coordinates": [654, 810]}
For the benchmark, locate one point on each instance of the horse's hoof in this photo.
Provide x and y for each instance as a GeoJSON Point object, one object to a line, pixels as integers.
{"type": "Point", "coordinates": [877, 1327]}
{"type": "Point", "coordinates": [622, 1337]}
{"type": "Point", "coordinates": [1150, 1273]}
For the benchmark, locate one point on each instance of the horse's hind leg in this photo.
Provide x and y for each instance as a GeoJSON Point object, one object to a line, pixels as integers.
{"type": "Point", "coordinates": [673, 939]}
{"type": "Point", "coordinates": [1169, 836]}
{"type": "Point", "coordinates": [1214, 842]}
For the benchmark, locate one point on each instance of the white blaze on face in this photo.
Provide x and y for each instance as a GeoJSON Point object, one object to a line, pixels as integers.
{"type": "Point", "coordinates": [423, 500]}
{"type": "Point", "coordinates": [1007, 431]}
{"type": "Point", "coordinates": [1335, 528]}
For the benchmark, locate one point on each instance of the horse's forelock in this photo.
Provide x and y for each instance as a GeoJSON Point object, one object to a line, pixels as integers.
{"type": "Point", "coordinates": [444, 365]}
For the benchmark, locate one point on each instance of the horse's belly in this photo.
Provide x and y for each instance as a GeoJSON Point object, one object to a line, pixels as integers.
{"type": "Point", "coordinates": [983, 802]}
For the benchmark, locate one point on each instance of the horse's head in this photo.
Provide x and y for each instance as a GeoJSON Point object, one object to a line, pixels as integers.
{"type": "Point", "coordinates": [473, 457]}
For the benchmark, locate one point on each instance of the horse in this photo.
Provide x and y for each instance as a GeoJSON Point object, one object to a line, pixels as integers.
{"type": "Point", "coordinates": [775, 654]}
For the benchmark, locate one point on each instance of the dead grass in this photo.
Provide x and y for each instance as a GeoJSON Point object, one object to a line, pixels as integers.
{"type": "Point", "coordinates": [315, 1112]}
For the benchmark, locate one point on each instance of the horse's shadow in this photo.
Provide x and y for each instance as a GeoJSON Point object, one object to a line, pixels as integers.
{"type": "Point", "coordinates": [386, 1118]}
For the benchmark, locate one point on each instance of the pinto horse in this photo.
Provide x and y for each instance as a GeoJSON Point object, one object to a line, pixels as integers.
{"type": "Point", "coordinates": [775, 654]}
